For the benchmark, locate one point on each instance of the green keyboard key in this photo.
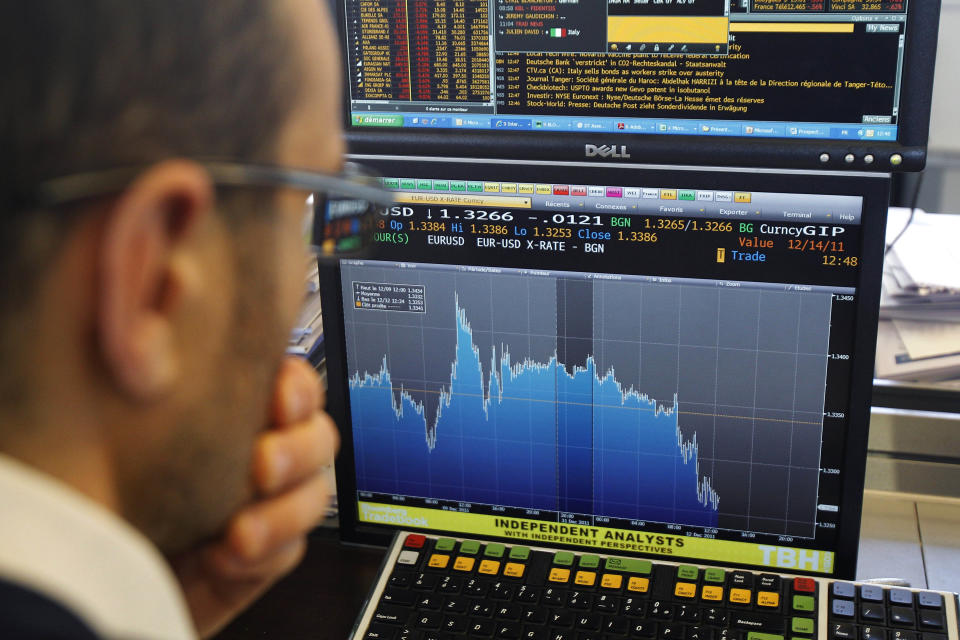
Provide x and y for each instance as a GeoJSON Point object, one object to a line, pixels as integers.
{"type": "Point", "coordinates": [686, 572]}
{"type": "Point", "coordinates": [803, 603]}
{"type": "Point", "coordinates": [756, 635]}
{"type": "Point", "coordinates": [630, 565]}
{"type": "Point", "coordinates": [564, 558]}
{"type": "Point", "coordinates": [494, 550]}
{"type": "Point", "coordinates": [519, 553]}
{"type": "Point", "coordinates": [589, 561]}
{"type": "Point", "coordinates": [802, 625]}
{"type": "Point", "coordinates": [714, 575]}
{"type": "Point", "coordinates": [445, 544]}
{"type": "Point", "coordinates": [469, 547]}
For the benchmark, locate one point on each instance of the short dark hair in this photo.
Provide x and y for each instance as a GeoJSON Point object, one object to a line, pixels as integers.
{"type": "Point", "coordinates": [95, 84]}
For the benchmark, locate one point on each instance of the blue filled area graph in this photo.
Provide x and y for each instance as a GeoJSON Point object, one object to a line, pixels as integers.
{"type": "Point", "coordinates": [565, 394]}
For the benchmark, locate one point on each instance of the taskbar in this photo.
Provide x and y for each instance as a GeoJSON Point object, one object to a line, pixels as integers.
{"type": "Point", "coordinates": [657, 126]}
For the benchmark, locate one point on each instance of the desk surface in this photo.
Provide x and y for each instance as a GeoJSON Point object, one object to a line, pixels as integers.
{"type": "Point", "coordinates": [909, 537]}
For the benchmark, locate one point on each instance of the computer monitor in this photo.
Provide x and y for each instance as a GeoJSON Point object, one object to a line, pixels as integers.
{"type": "Point", "coordinates": [662, 362]}
{"type": "Point", "coordinates": [839, 84]}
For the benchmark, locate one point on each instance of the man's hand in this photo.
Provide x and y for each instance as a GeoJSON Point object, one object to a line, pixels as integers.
{"type": "Point", "coordinates": [267, 538]}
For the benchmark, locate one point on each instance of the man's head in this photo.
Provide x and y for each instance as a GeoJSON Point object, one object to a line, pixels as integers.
{"type": "Point", "coordinates": [140, 332]}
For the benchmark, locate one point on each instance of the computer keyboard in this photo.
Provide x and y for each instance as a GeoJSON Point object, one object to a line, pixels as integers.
{"type": "Point", "coordinates": [436, 588]}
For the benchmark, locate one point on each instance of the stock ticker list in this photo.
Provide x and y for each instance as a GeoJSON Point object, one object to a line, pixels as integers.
{"type": "Point", "coordinates": [419, 50]}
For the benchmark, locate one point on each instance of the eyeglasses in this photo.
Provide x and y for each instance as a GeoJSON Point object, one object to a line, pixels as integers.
{"type": "Point", "coordinates": [341, 222]}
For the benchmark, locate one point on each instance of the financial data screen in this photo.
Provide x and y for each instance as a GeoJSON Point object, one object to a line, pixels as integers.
{"type": "Point", "coordinates": [800, 69]}
{"type": "Point", "coordinates": [657, 368]}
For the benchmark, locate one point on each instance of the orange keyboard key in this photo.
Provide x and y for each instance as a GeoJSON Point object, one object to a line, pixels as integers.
{"type": "Point", "coordinates": [463, 564]}
{"type": "Point", "coordinates": [740, 596]}
{"type": "Point", "coordinates": [585, 578]}
{"type": "Point", "coordinates": [489, 567]}
{"type": "Point", "coordinates": [712, 593]}
{"type": "Point", "coordinates": [439, 561]}
{"type": "Point", "coordinates": [768, 599]}
{"type": "Point", "coordinates": [638, 585]}
{"type": "Point", "coordinates": [514, 570]}
{"type": "Point", "coordinates": [559, 575]}
{"type": "Point", "coordinates": [685, 590]}
{"type": "Point", "coordinates": [611, 581]}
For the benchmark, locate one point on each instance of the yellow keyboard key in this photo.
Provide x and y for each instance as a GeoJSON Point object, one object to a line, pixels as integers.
{"type": "Point", "coordinates": [439, 561]}
{"type": "Point", "coordinates": [463, 564]}
{"type": "Point", "coordinates": [638, 585]}
{"type": "Point", "coordinates": [740, 596]}
{"type": "Point", "coordinates": [559, 575]}
{"type": "Point", "coordinates": [489, 567]}
{"type": "Point", "coordinates": [514, 570]}
{"type": "Point", "coordinates": [712, 593]}
{"type": "Point", "coordinates": [611, 581]}
{"type": "Point", "coordinates": [768, 599]}
{"type": "Point", "coordinates": [685, 590]}
{"type": "Point", "coordinates": [585, 578]}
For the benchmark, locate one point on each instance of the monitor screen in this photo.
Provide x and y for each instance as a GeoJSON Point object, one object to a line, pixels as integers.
{"type": "Point", "coordinates": [813, 71]}
{"type": "Point", "coordinates": [661, 363]}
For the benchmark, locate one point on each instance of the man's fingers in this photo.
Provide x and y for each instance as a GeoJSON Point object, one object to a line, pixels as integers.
{"type": "Point", "coordinates": [297, 392]}
{"type": "Point", "coordinates": [284, 458]}
{"type": "Point", "coordinates": [265, 526]}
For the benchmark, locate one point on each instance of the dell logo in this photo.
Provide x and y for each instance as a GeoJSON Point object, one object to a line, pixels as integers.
{"type": "Point", "coordinates": [606, 151]}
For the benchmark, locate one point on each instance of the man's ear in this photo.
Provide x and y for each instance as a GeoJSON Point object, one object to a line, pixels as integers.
{"type": "Point", "coordinates": [141, 280]}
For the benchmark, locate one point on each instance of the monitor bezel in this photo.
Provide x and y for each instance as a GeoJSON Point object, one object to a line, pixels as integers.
{"type": "Point", "coordinates": [873, 187]}
{"type": "Point", "coordinates": [911, 145]}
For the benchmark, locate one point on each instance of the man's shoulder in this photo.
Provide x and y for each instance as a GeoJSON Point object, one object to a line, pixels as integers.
{"type": "Point", "coordinates": [26, 614]}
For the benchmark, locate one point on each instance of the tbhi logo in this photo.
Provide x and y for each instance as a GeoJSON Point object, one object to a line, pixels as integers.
{"type": "Point", "coordinates": [606, 151]}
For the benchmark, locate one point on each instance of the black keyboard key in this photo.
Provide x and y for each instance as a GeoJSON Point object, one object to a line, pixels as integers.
{"type": "Point", "coordinates": [502, 591]}
{"type": "Point", "coordinates": [643, 629]}
{"type": "Point", "coordinates": [606, 603]}
{"type": "Point", "coordinates": [481, 609]}
{"type": "Point", "coordinates": [454, 624]}
{"type": "Point", "coordinates": [450, 584]}
{"type": "Point", "coordinates": [508, 611]}
{"type": "Point", "coordinates": [400, 579]}
{"type": "Point", "coordinates": [755, 621]}
{"type": "Point", "coordinates": [661, 610]}
{"type": "Point", "coordinates": [535, 633]}
{"type": "Point", "coordinates": [901, 616]}
{"type": "Point", "coordinates": [634, 607]}
{"type": "Point", "coordinates": [380, 632]}
{"type": "Point", "coordinates": [555, 597]}
{"type": "Point", "coordinates": [671, 632]}
{"type": "Point", "coordinates": [424, 582]}
{"type": "Point", "coordinates": [688, 613]}
{"type": "Point", "coordinates": [697, 632]}
{"type": "Point", "coordinates": [409, 632]}
{"type": "Point", "coordinates": [561, 634]}
{"type": "Point", "coordinates": [588, 621]}
{"type": "Point", "coordinates": [508, 630]}
{"type": "Point", "coordinates": [934, 636]}
{"type": "Point", "coordinates": [400, 597]}
{"type": "Point", "coordinates": [589, 635]}
{"type": "Point", "coordinates": [872, 613]}
{"type": "Point", "coordinates": [476, 587]}
{"type": "Point", "coordinates": [578, 600]}
{"type": "Point", "coordinates": [479, 627]}
{"type": "Point", "coordinates": [931, 619]}
{"type": "Point", "coordinates": [741, 580]}
{"type": "Point", "coordinates": [843, 631]}
{"type": "Point", "coordinates": [391, 614]}
{"type": "Point", "coordinates": [729, 634]}
{"type": "Point", "coordinates": [428, 620]}
{"type": "Point", "coordinates": [768, 582]}
{"type": "Point", "coordinates": [616, 625]}
{"type": "Point", "coordinates": [715, 617]}
{"type": "Point", "coordinates": [901, 634]}
{"type": "Point", "coordinates": [873, 633]}
{"type": "Point", "coordinates": [527, 594]}
{"type": "Point", "coordinates": [429, 602]}
{"type": "Point", "coordinates": [560, 618]}
{"type": "Point", "coordinates": [534, 615]}
{"type": "Point", "coordinates": [430, 634]}
{"type": "Point", "coordinates": [456, 604]}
